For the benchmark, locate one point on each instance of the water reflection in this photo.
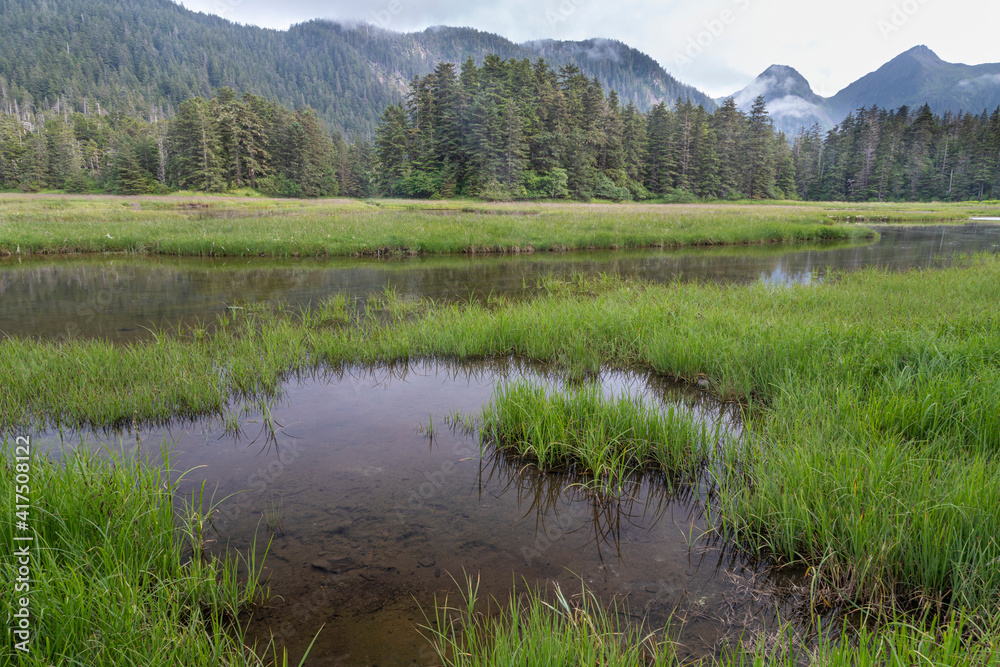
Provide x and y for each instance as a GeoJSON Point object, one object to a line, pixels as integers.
{"type": "Point", "coordinates": [368, 518]}
{"type": "Point", "coordinates": [121, 298]}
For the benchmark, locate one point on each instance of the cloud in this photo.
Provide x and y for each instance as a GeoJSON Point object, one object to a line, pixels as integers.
{"type": "Point", "coordinates": [984, 80]}
{"type": "Point", "coordinates": [769, 86]}
{"type": "Point", "coordinates": [793, 106]}
{"type": "Point", "coordinates": [603, 49]}
{"type": "Point", "coordinates": [809, 36]}
{"type": "Point", "coordinates": [744, 99]}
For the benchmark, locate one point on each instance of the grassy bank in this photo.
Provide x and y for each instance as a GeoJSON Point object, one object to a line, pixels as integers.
{"type": "Point", "coordinates": [220, 227]}
{"type": "Point", "coordinates": [877, 400]}
{"type": "Point", "coordinates": [553, 628]}
{"type": "Point", "coordinates": [113, 579]}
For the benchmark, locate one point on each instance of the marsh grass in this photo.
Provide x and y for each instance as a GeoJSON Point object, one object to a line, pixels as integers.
{"type": "Point", "coordinates": [605, 439]}
{"type": "Point", "coordinates": [534, 629]}
{"type": "Point", "coordinates": [114, 581]}
{"type": "Point", "coordinates": [282, 228]}
{"type": "Point", "coordinates": [273, 515]}
{"type": "Point", "coordinates": [875, 400]}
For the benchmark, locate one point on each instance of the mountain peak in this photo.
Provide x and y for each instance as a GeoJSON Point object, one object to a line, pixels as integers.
{"type": "Point", "coordinates": [921, 52]}
{"type": "Point", "coordinates": [774, 83]}
{"type": "Point", "coordinates": [787, 80]}
{"type": "Point", "coordinates": [789, 97]}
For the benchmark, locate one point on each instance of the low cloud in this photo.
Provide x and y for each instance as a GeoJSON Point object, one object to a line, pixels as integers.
{"type": "Point", "coordinates": [793, 106]}
{"type": "Point", "coordinates": [984, 80]}
{"type": "Point", "coordinates": [770, 87]}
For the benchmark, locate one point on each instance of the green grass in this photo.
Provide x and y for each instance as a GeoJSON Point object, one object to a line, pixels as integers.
{"type": "Point", "coordinates": [117, 577]}
{"type": "Point", "coordinates": [536, 628]}
{"type": "Point", "coordinates": [532, 630]}
{"type": "Point", "coordinates": [875, 400]}
{"type": "Point", "coordinates": [242, 227]}
{"type": "Point", "coordinates": [605, 440]}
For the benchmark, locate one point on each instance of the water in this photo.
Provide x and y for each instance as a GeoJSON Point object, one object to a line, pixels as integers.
{"type": "Point", "coordinates": [371, 517]}
{"type": "Point", "coordinates": [122, 298]}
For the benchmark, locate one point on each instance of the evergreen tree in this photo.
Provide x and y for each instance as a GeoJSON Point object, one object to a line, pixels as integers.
{"type": "Point", "coordinates": [392, 154]}
{"type": "Point", "coordinates": [194, 143]}
{"type": "Point", "coordinates": [759, 152]}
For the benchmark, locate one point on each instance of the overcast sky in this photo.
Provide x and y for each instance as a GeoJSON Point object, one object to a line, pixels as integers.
{"type": "Point", "coordinates": [717, 46]}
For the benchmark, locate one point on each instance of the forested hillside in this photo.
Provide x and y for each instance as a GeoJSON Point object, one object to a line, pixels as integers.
{"type": "Point", "coordinates": [145, 57]}
{"type": "Point", "coordinates": [903, 154]}
{"type": "Point", "coordinates": [506, 129]}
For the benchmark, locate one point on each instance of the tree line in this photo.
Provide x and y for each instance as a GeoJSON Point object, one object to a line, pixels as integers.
{"type": "Point", "coordinates": [134, 55]}
{"type": "Point", "coordinates": [505, 129]}
{"type": "Point", "coordinates": [901, 155]}
{"type": "Point", "coordinates": [516, 129]}
{"type": "Point", "coordinates": [217, 145]}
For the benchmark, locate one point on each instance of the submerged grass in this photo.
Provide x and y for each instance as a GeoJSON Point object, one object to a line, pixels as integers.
{"type": "Point", "coordinates": [873, 454]}
{"type": "Point", "coordinates": [216, 227]}
{"type": "Point", "coordinates": [113, 580]}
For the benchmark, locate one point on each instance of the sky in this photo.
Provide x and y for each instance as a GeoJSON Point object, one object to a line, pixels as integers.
{"type": "Point", "coordinates": [718, 46]}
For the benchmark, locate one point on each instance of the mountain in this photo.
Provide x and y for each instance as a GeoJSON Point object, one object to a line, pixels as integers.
{"type": "Point", "coordinates": [631, 73]}
{"type": "Point", "coordinates": [790, 99]}
{"type": "Point", "coordinates": [147, 56]}
{"type": "Point", "coordinates": [919, 76]}
{"type": "Point", "coordinates": [913, 78]}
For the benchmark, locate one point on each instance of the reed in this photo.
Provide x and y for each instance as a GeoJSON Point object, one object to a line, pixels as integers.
{"type": "Point", "coordinates": [113, 582]}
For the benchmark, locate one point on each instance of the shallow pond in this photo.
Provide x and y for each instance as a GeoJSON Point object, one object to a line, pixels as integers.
{"type": "Point", "coordinates": [122, 297]}
{"type": "Point", "coordinates": [370, 516]}
{"type": "Point", "coordinates": [371, 502]}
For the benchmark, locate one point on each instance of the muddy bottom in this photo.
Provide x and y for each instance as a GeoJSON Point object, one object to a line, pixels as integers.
{"type": "Point", "coordinates": [374, 506]}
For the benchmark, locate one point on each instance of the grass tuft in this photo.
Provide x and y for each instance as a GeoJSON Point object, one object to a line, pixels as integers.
{"type": "Point", "coordinates": [113, 582]}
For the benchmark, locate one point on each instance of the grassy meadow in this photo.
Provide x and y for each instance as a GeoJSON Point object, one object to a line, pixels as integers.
{"type": "Point", "coordinates": [251, 227]}
{"type": "Point", "coordinates": [872, 402]}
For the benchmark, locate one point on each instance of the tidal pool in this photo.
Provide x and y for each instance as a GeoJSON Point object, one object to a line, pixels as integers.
{"type": "Point", "coordinates": [373, 505]}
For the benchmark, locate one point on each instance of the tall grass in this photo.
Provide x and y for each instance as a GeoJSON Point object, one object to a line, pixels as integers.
{"type": "Point", "coordinates": [283, 228]}
{"type": "Point", "coordinates": [606, 440]}
{"type": "Point", "coordinates": [534, 628]}
{"type": "Point", "coordinates": [115, 579]}
{"type": "Point", "coordinates": [875, 399]}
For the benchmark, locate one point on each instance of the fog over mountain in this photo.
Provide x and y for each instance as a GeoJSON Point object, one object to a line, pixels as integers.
{"type": "Point", "coordinates": [138, 55]}
{"type": "Point", "coordinates": [915, 77]}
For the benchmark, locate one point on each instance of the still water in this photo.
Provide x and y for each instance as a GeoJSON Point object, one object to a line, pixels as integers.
{"type": "Point", "coordinates": [369, 516]}
{"type": "Point", "coordinates": [374, 504]}
{"type": "Point", "coordinates": [122, 298]}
